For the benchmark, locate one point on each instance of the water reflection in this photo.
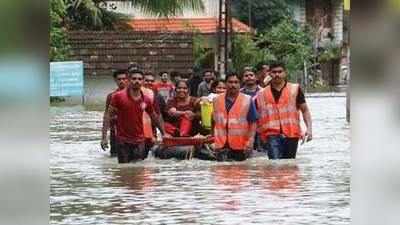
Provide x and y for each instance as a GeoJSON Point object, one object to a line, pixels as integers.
{"type": "Point", "coordinates": [135, 178]}
{"type": "Point", "coordinates": [88, 187]}
{"type": "Point", "coordinates": [232, 180]}
{"type": "Point", "coordinates": [231, 177]}
{"type": "Point", "coordinates": [279, 177]}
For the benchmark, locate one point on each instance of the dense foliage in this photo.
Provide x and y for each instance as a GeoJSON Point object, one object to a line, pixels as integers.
{"type": "Point", "coordinates": [262, 14]}
{"type": "Point", "coordinates": [286, 42]}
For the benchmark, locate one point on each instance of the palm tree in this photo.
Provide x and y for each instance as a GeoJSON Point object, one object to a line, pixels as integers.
{"type": "Point", "coordinates": [90, 14]}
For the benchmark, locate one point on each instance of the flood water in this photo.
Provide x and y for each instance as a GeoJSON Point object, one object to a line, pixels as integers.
{"type": "Point", "coordinates": [89, 187]}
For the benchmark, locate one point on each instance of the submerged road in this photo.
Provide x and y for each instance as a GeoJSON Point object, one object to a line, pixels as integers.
{"type": "Point", "coordinates": [88, 187]}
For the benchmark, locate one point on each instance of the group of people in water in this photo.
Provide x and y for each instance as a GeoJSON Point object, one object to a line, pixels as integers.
{"type": "Point", "coordinates": [247, 113]}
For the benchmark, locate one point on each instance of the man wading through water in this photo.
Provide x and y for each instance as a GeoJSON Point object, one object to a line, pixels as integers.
{"type": "Point", "coordinates": [279, 105]}
{"type": "Point", "coordinates": [234, 122]}
{"type": "Point", "coordinates": [120, 78]}
{"type": "Point", "coordinates": [128, 105]}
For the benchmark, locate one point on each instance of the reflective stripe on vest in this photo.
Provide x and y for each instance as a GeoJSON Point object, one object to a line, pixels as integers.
{"type": "Point", "coordinates": [233, 127]}
{"type": "Point", "coordinates": [147, 126]}
{"type": "Point", "coordinates": [283, 114]}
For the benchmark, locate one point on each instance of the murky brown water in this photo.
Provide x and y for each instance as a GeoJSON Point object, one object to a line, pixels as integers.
{"type": "Point", "coordinates": [88, 187]}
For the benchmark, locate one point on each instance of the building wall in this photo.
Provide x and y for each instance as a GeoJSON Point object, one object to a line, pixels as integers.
{"type": "Point", "coordinates": [211, 10]}
{"type": "Point", "coordinates": [104, 51]}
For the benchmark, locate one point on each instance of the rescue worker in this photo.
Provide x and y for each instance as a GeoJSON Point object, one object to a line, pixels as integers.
{"type": "Point", "coordinates": [234, 122]}
{"type": "Point", "coordinates": [129, 106]}
{"type": "Point", "coordinates": [251, 88]}
{"type": "Point", "coordinates": [279, 106]}
{"type": "Point", "coordinates": [120, 79]}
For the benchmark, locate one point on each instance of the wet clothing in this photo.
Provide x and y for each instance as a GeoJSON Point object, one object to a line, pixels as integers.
{"type": "Point", "coordinates": [130, 116]}
{"type": "Point", "coordinates": [233, 121]}
{"type": "Point", "coordinates": [182, 126]}
{"type": "Point", "coordinates": [113, 144]}
{"type": "Point", "coordinates": [131, 152]}
{"type": "Point", "coordinates": [280, 147]}
{"type": "Point", "coordinates": [279, 123]}
{"type": "Point", "coordinates": [227, 154]}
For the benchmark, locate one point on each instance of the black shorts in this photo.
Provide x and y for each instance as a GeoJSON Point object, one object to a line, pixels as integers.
{"type": "Point", "coordinates": [131, 152]}
{"type": "Point", "coordinates": [113, 144]}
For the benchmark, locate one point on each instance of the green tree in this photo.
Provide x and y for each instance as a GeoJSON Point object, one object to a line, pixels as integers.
{"type": "Point", "coordinates": [262, 14]}
{"type": "Point", "coordinates": [247, 53]}
{"type": "Point", "coordinates": [92, 14]}
{"type": "Point", "coordinates": [58, 38]}
{"type": "Point", "coordinates": [289, 43]}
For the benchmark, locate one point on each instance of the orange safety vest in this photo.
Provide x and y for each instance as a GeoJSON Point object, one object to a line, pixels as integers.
{"type": "Point", "coordinates": [283, 114]}
{"type": "Point", "coordinates": [147, 126]}
{"type": "Point", "coordinates": [232, 127]}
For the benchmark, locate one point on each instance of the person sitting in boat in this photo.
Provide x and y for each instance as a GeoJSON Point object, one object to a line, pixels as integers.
{"type": "Point", "coordinates": [183, 112]}
{"type": "Point", "coordinates": [234, 122]}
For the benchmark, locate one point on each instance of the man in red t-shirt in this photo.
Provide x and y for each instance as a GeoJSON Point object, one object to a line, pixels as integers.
{"type": "Point", "coordinates": [128, 105]}
{"type": "Point", "coordinates": [120, 79]}
{"type": "Point", "coordinates": [165, 88]}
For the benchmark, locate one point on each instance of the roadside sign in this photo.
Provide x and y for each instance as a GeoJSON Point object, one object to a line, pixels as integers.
{"type": "Point", "coordinates": [66, 78]}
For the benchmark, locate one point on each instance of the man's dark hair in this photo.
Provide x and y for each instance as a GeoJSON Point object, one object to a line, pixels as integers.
{"type": "Point", "coordinates": [133, 66]}
{"type": "Point", "coordinates": [231, 74]}
{"type": "Point", "coordinates": [277, 64]}
{"type": "Point", "coordinates": [135, 71]}
{"type": "Point", "coordinates": [162, 72]}
{"type": "Point", "coordinates": [148, 73]}
{"type": "Point", "coordinates": [247, 69]}
{"type": "Point", "coordinates": [118, 72]}
{"type": "Point", "coordinates": [207, 70]}
{"type": "Point", "coordinates": [215, 83]}
{"type": "Point", "coordinates": [260, 65]}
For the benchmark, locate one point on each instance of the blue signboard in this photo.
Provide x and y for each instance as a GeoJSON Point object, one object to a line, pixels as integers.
{"type": "Point", "coordinates": [66, 78]}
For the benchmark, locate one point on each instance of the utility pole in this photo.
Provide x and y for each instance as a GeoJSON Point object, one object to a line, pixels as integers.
{"type": "Point", "coordinates": [224, 37]}
{"type": "Point", "coordinates": [249, 1]}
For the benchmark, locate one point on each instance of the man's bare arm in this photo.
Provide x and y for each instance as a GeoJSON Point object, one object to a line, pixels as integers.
{"type": "Point", "coordinates": [108, 115]}
{"type": "Point", "coordinates": [158, 121]}
{"type": "Point", "coordinates": [307, 120]}
{"type": "Point", "coordinates": [105, 127]}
